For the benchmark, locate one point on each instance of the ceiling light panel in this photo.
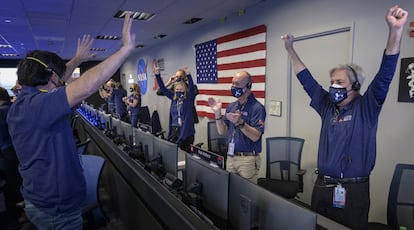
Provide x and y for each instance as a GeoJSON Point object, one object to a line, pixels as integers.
{"type": "Point", "coordinates": [135, 15]}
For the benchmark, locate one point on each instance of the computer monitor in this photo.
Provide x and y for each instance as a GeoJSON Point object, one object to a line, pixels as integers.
{"type": "Point", "coordinates": [105, 122]}
{"type": "Point", "coordinates": [116, 126]}
{"type": "Point", "coordinates": [214, 184]}
{"type": "Point", "coordinates": [251, 206]}
{"type": "Point", "coordinates": [169, 154]}
{"type": "Point", "coordinates": [126, 130]}
{"type": "Point", "coordinates": [212, 158]}
{"type": "Point", "coordinates": [217, 143]}
{"type": "Point", "coordinates": [144, 127]}
{"type": "Point", "coordinates": [146, 142]}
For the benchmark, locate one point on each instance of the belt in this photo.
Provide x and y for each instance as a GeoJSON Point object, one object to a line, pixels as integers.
{"type": "Point", "coordinates": [332, 180]}
{"type": "Point", "coordinates": [245, 154]}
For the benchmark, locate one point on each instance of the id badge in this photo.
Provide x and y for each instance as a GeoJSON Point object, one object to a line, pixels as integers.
{"type": "Point", "coordinates": [339, 197]}
{"type": "Point", "coordinates": [180, 123]}
{"type": "Point", "coordinates": [230, 150]}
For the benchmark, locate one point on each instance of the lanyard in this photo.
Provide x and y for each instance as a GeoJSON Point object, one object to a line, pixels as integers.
{"type": "Point", "coordinates": [179, 106]}
{"type": "Point", "coordinates": [241, 109]}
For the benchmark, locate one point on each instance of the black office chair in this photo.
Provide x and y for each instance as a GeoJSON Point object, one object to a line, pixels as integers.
{"type": "Point", "coordinates": [144, 115]}
{"type": "Point", "coordinates": [400, 208]}
{"type": "Point", "coordinates": [216, 143]}
{"type": "Point", "coordinates": [284, 175]}
{"type": "Point", "coordinates": [73, 125]}
{"type": "Point", "coordinates": [156, 125]}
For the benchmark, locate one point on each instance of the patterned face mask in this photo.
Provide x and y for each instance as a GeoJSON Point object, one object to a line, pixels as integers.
{"type": "Point", "coordinates": [337, 93]}
{"type": "Point", "coordinates": [237, 92]}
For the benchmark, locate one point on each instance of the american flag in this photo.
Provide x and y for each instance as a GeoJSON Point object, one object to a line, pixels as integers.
{"type": "Point", "coordinates": [218, 60]}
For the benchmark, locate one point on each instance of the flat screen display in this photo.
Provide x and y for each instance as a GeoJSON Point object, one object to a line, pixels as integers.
{"type": "Point", "coordinates": [8, 78]}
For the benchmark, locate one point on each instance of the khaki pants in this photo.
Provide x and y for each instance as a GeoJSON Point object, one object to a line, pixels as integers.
{"type": "Point", "coordinates": [245, 166]}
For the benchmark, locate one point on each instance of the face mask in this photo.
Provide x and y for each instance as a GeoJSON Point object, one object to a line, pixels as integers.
{"type": "Point", "coordinates": [337, 93]}
{"type": "Point", "coordinates": [179, 80]}
{"type": "Point", "coordinates": [237, 92]}
{"type": "Point", "coordinates": [131, 90]}
{"type": "Point", "coordinates": [179, 95]}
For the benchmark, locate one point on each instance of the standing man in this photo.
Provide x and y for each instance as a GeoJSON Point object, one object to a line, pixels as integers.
{"type": "Point", "coordinates": [120, 108]}
{"type": "Point", "coordinates": [244, 122]}
{"type": "Point", "coordinates": [53, 183]}
{"type": "Point", "coordinates": [347, 147]}
{"type": "Point", "coordinates": [106, 93]}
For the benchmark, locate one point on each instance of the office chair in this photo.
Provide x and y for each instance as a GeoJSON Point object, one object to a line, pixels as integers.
{"type": "Point", "coordinates": [73, 125]}
{"type": "Point", "coordinates": [284, 175]}
{"type": "Point", "coordinates": [216, 143]}
{"type": "Point", "coordinates": [156, 125]}
{"type": "Point", "coordinates": [92, 167]}
{"type": "Point", "coordinates": [82, 146]}
{"type": "Point", "coordinates": [144, 115]}
{"type": "Point", "coordinates": [400, 208]}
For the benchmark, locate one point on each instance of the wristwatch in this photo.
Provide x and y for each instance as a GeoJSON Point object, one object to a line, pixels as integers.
{"type": "Point", "coordinates": [241, 125]}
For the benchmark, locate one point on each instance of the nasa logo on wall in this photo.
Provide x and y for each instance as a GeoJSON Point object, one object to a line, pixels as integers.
{"type": "Point", "coordinates": [142, 75]}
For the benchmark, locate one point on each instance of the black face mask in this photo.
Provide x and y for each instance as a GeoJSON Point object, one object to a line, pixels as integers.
{"type": "Point", "coordinates": [180, 95]}
{"type": "Point", "coordinates": [237, 92]}
{"type": "Point", "coordinates": [131, 90]}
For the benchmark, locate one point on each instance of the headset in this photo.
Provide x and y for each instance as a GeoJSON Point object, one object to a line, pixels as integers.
{"type": "Point", "coordinates": [249, 84]}
{"type": "Point", "coordinates": [48, 70]}
{"type": "Point", "coordinates": [356, 85]}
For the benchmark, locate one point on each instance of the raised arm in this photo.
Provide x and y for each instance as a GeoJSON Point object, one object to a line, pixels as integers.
{"type": "Point", "coordinates": [191, 87]}
{"type": "Point", "coordinates": [297, 63]}
{"type": "Point", "coordinates": [83, 53]}
{"type": "Point", "coordinates": [168, 93]}
{"type": "Point", "coordinates": [92, 79]}
{"type": "Point", "coordinates": [396, 18]}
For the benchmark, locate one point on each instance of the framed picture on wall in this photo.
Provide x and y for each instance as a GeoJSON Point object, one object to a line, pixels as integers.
{"type": "Point", "coordinates": [406, 85]}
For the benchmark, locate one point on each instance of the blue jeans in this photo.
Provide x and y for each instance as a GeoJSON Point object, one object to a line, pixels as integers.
{"type": "Point", "coordinates": [43, 221]}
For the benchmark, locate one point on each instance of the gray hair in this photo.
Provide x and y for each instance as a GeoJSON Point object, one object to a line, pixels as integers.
{"type": "Point", "coordinates": [354, 72]}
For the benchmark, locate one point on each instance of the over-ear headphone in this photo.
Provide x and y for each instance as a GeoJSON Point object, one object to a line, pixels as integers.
{"type": "Point", "coordinates": [249, 84]}
{"type": "Point", "coordinates": [356, 85]}
{"type": "Point", "coordinates": [47, 68]}
{"type": "Point", "coordinates": [43, 75]}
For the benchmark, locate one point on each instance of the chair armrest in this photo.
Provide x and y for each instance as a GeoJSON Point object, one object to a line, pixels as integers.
{"type": "Point", "coordinates": [301, 172]}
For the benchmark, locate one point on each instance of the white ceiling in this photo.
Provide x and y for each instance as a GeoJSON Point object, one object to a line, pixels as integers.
{"type": "Point", "coordinates": [55, 25]}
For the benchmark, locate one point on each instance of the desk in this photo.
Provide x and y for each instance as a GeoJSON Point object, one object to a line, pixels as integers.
{"type": "Point", "coordinates": [137, 198]}
{"type": "Point", "coordinates": [325, 223]}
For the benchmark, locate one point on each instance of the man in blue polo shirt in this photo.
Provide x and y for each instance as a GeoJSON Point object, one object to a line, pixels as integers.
{"type": "Point", "coordinates": [53, 184]}
{"type": "Point", "coordinates": [347, 148]}
{"type": "Point", "coordinates": [244, 123]}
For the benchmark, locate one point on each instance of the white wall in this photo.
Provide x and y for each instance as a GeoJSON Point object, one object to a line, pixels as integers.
{"type": "Point", "coordinates": [301, 18]}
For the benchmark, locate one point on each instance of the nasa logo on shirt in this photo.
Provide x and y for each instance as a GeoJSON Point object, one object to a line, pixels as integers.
{"type": "Point", "coordinates": [142, 75]}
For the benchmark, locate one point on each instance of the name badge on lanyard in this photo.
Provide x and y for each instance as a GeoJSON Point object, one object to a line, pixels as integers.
{"type": "Point", "coordinates": [339, 197]}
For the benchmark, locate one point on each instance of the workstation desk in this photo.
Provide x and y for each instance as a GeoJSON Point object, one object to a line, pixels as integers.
{"type": "Point", "coordinates": [136, 199]}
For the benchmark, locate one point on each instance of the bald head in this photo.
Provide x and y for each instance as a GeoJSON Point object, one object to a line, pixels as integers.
{"type": "Point", "coordinates": [242, 79]}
